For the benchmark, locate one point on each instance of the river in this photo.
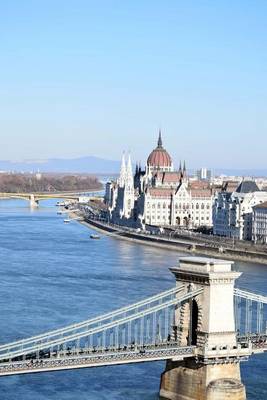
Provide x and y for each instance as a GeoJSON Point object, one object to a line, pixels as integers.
{"type": "Point", "coordinates": [52, 274]}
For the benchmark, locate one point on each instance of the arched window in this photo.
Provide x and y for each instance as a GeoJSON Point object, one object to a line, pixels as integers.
{"type": "Point", "coordinates": [159, 205]}
{"type": "Point", "coordinates": [197, 206]}
{"type": "Point", "coordinates": [202, 206]}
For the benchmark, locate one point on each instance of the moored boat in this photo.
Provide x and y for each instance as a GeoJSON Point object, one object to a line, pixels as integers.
{"type": "Point", "coordinates": [94, 236]}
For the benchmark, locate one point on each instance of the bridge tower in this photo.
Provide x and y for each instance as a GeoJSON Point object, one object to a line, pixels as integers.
{"type": "Point", "coordinates": [33, 202]}
{"type": "Point", "coordinates": [208, 323]}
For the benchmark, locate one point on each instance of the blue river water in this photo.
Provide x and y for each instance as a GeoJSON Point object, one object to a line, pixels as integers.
{"type": "Point", "coordinates": [52, 274]}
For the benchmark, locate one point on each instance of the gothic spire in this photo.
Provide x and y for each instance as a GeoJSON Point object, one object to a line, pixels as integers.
{"type": "Point", "coordinates": [160, 139]}
{"type": "Point", "coordinates": [184, 170]}
{"type": "Point", "coordinates": [122, 171]}
{"type": "Point", "coordinates": [180, 166]}
{"type": "Point", "coordinates": [129, 166]}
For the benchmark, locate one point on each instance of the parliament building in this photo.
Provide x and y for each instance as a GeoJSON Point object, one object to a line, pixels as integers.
{"type": "Point", "coordinates": [158, 195]}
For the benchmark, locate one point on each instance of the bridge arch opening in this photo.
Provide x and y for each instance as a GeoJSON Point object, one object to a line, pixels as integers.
{"type": "Point", "coordinates": [194, 322]}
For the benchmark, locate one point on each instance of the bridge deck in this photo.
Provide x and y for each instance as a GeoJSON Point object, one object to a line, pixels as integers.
{"type": "Point", "coordinates": [96, 358]}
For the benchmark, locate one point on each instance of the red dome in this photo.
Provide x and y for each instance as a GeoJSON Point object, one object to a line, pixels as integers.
{"type": "Point", "coordinates": [159, 156]}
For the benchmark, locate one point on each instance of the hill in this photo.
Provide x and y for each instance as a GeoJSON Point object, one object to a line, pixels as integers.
{"type": "Point", "coordinates": [20, 183]}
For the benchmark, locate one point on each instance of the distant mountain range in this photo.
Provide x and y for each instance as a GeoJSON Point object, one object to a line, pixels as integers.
{"type": "Point", "coordinates": [97, 165]}
{"type": "Point", "coordinates": [90, 164]}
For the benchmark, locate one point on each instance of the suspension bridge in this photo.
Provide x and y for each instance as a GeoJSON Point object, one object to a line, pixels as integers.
{"type": "Point", "coordinates": [203, 325]}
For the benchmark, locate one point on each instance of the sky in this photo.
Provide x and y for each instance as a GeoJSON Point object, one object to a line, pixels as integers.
{"type": "Point", "coordinates": [82, 77]}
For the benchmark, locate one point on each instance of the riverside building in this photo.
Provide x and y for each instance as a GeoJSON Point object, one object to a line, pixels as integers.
{"type": "Point", "coordinates": [232, 210]}
{"type": "Point", "coordinates": [259, 223]}
{"type": "Point", "coordinates": [159, 195]}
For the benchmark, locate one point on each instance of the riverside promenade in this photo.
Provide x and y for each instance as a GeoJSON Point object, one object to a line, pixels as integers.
{"type": "Point", "coordinates": [185, 243]}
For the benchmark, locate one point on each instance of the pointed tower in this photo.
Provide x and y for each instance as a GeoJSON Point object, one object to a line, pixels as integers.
{"type": "Point", "coordinates": [129, 173]}
{"type": "Point", "coordinates": [122, 177]}
{"type": "Point", "coordinates": [128, 195]}
{"type": "Point", "coordinates": [160, 146]}
{"type": "Point", "coordinates": [184, 170]}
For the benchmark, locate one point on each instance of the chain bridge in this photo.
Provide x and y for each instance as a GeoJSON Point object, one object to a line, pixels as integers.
{"type": "Point", "coordinates": [203, 327]}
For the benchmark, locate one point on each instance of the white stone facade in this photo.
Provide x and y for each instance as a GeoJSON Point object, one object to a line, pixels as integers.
{"type": "Point", "coordinates": [159, 195]}
{"type": "Point", "coordinates": [259, 223]}
{"type": "Point", "coordinates": [232, 213]}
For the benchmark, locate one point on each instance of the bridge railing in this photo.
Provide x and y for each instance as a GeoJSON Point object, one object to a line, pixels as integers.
{"type": "Point", "coordinates": [61, 332]}
{"type": "Point", "coordinates": [250, 312]}
{"type": "Point", "coordinates": [148, 321]}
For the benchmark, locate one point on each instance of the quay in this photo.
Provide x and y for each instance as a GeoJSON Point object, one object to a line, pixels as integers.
{"type": "Point", "coordinates": [186, 244]}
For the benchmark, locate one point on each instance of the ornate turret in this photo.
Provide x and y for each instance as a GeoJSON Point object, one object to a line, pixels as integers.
{"type": "Point", "coordinates": [129, 172]}
{"type": "Point", "coordinates": [122, 177]}
{"type": "Point", "coordinates": [184, 170]}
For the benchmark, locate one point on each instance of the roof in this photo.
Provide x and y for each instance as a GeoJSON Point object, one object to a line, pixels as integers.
{"type": "Point", "coordinates": [230, 186]}
{"type": "Point", "coordinates": [159, 157]}
{"type": "Point", "coordinates": [247, 187]}
{"type": "Point", "coordinates": [160, 192]}
{"type": "Point", "coordinates": [261, 205]}
{"type": "Point", "coordinates": [169, 177]}
{"type": "Point", "coordinates": [199, 185]}
{"type": "Point", "coordinates": [201, 192]}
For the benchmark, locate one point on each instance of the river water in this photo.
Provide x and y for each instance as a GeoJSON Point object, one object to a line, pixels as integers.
{"type": "Point", "coordinates": [52, 274]}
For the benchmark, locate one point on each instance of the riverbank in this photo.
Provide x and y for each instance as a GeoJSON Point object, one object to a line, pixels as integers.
{"type": "Point", "coordinates": [189, 245]}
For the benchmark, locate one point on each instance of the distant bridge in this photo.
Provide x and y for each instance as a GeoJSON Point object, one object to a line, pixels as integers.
{"type": "Point", "coordinates": [34, 198]}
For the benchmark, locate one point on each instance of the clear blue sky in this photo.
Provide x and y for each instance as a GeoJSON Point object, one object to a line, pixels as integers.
{"type": "Point", "coordinates": [88, 77]}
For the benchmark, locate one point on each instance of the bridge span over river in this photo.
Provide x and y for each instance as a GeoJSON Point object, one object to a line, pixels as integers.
{"type": "Point", "coordinates": [203, 327]}
{"type": "Point", "coordinates": [35, 198]}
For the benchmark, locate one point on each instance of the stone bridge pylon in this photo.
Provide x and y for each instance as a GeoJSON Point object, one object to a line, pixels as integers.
{"type": "Point", "coordinates": [208, 322]}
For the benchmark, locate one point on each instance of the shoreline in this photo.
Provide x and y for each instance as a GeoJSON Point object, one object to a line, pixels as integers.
{"type": "Point", "coordinates": [190, 247]}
